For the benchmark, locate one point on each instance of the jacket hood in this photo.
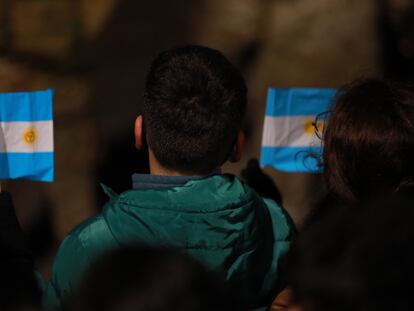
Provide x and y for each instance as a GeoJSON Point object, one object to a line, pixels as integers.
{"type": "Point", "coordinates": [217, 212]}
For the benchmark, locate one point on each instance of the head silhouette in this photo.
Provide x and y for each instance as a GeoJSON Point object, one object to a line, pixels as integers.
{"type": "Point", "coordinates": [142, 278]}
{"type": "Point", "coordinates": [356, 257]}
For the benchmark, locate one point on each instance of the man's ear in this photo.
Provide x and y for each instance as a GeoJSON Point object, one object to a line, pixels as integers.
{"type": "Point", "coordinates": [138, 133]}
{"type": "Point", "coordinates": [238, 148]}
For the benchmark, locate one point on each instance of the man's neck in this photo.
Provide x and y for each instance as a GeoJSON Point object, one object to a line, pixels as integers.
{"type": "Point", "coordinates": [157, 169]}
{"type": "Point", "coordinates": [161, 171]}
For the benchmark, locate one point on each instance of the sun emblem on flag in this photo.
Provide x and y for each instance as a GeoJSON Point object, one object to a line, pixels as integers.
{"type": "Point", "coordinates": [29, 136]}
{"type": "Point", "coordinates": [309, 126]}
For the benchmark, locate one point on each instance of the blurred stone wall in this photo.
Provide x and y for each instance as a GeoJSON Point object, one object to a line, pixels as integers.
{"type": "Point", "coordinates": [288, 43]}
{"type": "Point", "coordinates": [38, 45]}
{"type": "Point", "coordinates": [94, 53]}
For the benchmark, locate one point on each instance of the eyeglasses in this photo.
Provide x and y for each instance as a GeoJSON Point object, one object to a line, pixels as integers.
{"type": "Point", "coordinates": [319, 123]}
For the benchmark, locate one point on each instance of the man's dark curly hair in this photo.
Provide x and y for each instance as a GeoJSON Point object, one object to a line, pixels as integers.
{"type": "Point", "coordinates": [194, 102]}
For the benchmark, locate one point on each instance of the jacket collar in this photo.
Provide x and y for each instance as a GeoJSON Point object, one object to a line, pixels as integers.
{"type": "Point", "coordinates": [147, 181]}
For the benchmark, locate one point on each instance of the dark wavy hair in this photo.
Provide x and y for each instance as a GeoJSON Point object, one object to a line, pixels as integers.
{"type": "Point", "coordinates": [369, 140]}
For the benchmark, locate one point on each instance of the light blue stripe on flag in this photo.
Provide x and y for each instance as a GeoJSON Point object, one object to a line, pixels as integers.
{"type": "Point", "coordinates": [292, 159]}
{"type": "Point", "coordinates": [35, 166]}
{"type": "Point", "coordinates": [289, 143]}
{"type": "Point", "coordinates": [26, 135]}
{"type": "Point", "coordinates": [26, 106]}
{"type": "Point", "coordinates": [298, 101]}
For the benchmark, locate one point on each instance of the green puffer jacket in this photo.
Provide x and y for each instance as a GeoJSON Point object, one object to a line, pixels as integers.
{"type": "Point", "coordinates": [218, 220]}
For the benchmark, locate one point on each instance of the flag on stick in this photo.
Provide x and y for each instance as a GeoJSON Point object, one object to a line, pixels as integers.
{"type": "Point", "coordinates": [26, 135]}
{"type": "Point", "coordinates": [289, 142]}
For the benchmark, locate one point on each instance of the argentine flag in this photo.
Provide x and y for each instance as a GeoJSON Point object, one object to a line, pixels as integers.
{"type": "Point", "coordinates": [26, 135]}
{"type": "Point", "coordinates": [289, 143]}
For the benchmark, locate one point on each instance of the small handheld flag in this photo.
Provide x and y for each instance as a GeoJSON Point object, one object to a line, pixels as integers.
{"type": "Point", "coordinates": [26, 135]}
{"type": "Point", "coordinates": [289, 142]}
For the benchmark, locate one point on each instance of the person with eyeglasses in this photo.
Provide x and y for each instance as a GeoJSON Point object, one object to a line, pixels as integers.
{"type": "Point", "coordinates": [368, 149]}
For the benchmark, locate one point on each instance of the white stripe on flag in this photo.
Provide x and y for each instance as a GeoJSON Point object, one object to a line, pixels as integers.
{"type": "Point", "coordinates": [26, 136]}
{"type": "Point", "coordinates": [287, 131]}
